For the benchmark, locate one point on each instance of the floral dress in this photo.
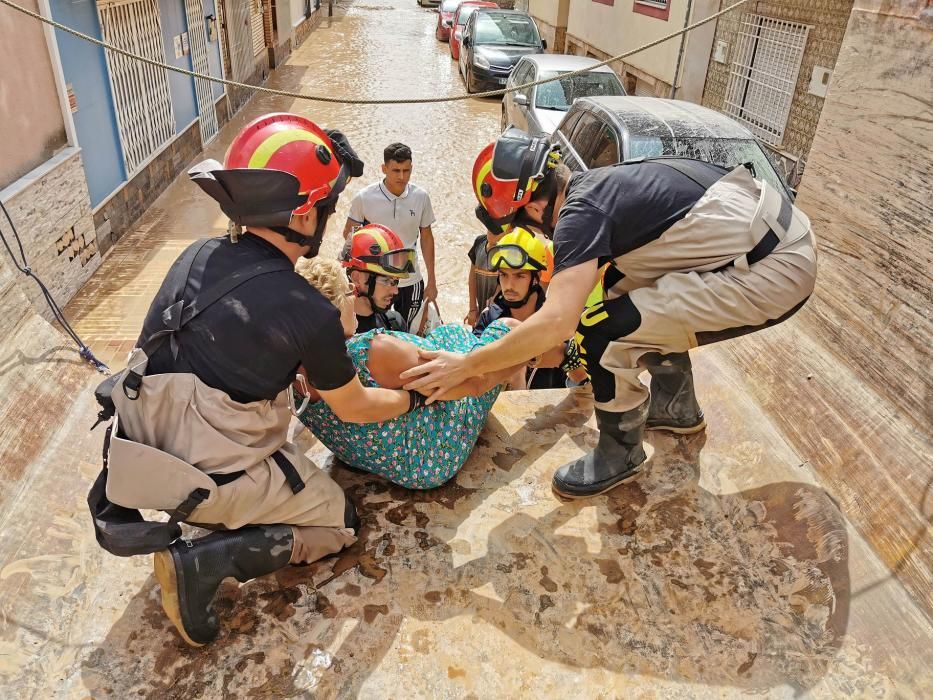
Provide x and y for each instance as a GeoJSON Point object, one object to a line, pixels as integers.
{"type": "Point", "coordinates": [418, 450]}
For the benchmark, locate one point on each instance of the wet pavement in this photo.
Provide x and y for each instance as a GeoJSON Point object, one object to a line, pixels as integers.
{"type": "Point", "coordinates": [727, 569]}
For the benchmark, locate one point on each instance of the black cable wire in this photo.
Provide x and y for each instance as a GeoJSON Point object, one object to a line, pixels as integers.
{"type": "Point", "coordinates": [83, 349]}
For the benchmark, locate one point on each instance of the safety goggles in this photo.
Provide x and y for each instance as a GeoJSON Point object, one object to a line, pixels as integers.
{"type": "Point", "coordinates": [399, 262]}
{"type": "Point", "coordinates": [386, 281]}
{"type": "Point", "coordinates": [513, 256]}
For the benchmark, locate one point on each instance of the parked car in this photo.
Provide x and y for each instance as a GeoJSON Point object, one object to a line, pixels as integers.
{"type": "Point", "coordinates": [493, 42]}
{"type": "Point", "coordinates": [599, 131]}
{"type": "Point", "coordinates": [445, 19]}
{"type": "Point", "coordinates": [428, 3]}
{"type": "Point", "coordinates": [538, 110]}
{"type": "Point", "coordinates": [460, 17]}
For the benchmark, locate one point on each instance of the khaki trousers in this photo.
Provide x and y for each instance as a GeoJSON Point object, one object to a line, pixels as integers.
{"type": "Point", "coordinates": [693, 286]}
{"type": "Point", "coordinates": [179, 422]}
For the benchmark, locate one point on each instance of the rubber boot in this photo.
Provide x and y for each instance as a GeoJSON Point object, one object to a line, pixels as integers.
{"type": "Point", "coordinates": [674, 405]}
{"type": "Point", "coordinates": [190, 571]}
{"type": "Point", "coordinates": [616, 459]}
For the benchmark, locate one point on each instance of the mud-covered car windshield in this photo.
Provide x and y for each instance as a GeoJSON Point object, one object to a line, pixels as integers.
{"type": "Point", "coordinates": [505, 29]}
{"type": "Point", "coordinates": [725, 152]}
{"type": "Point", "coordinates": [560, 94]}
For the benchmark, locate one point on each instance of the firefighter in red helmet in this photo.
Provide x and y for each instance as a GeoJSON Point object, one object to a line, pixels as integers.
{"type": "Point", "coordinates": [376, 259]}
{"type": "Point", "coordinates": [202, 411]}
{"type": "Point", "coordinates": [693, 253]}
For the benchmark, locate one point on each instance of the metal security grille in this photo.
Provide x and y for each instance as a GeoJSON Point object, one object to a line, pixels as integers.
{"type": "Point", "coordinates": [237, 19]}
{"type": "Point", "coordinates": [140, 91]}
{"type": "Point", "coordinates": [643, 88]}
{"type": "Point", "coordinates": [764, 74]}
{"type": "Point", "coordinates": [255, 15]}
{"type": "Point", "coordinates": [197, 38]}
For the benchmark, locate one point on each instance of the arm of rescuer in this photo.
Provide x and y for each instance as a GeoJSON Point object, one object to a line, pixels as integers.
{"type": "Point", "coordinates": [389, 357]}
{"type": "Point", "coordinates": [355, 403]}
{"type": "Point", "coordinates": [552, 324]}
{"type": "Point", "coordinates": [334, 378]}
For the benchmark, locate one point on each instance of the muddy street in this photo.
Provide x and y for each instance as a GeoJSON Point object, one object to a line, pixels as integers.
{"type": "Point", "coordinates": [744, 559]}
{"type": "Point", "coordinates": [370, 49]}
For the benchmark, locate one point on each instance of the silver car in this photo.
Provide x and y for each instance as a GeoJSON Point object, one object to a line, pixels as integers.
{"type": "Point", "coordinates": [539, 110]}
{"type": "Point", "coordinates": [600, 131]}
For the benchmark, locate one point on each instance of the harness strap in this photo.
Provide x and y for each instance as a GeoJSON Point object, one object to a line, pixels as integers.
{"type": "Point", "coordinates": [183, 511]}
{"type": "Point", "coordinates": [763, 248]}
{"type": "Point", "coordinates": [291, 474]}
{"type": "Point", "coordinates": [224, 479]}
{"type": "Point", "coordinates": [179, 314]}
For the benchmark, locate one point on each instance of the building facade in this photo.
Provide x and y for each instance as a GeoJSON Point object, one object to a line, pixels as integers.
{"type": "Point", "coordinates": [771, 68]}
{"type": "Point", "coordinates": [867, 192]}
{"type": "Point", "coordinates": [604, 28]}
{"type": "Point", "coordinates": [92, 137]}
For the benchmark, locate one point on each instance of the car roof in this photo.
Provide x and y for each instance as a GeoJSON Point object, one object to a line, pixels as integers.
{"type": "Point", "coordinates": [477, 3]}
{"type": "Point", "coordinates": [499, 11]}
{"type": "Point", "coordinates": [655, 116]}
{"type": "Point", "coordinates": [559, 61]}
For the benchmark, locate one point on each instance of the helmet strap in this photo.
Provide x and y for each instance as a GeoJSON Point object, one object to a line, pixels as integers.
{"type": "Point", "coordinates": [370, 291]}
{"type": "Point", "coordinates": [548, 215]}
{"type": "Point", "coordinates": [371, 294]}
{"type": "Point", "coordinates": [313, 241]}
{"type": "Point", "coordinates": [532, 288]}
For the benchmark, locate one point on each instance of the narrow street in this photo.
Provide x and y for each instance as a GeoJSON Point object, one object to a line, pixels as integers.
{"type": "Point", "coordinates": [375, 50]}
{"type": "Point", "coordinates": [727, 569]}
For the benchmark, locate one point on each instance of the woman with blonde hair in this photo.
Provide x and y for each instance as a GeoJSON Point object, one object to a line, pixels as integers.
{"type": "Point", "coordinates": [421, 449]}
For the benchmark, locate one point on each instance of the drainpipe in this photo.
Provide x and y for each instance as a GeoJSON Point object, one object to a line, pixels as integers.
{"type": "Point", "coordinates": [680, 54]}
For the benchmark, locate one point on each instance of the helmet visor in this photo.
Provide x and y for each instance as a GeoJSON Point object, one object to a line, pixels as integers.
{"type": "Point", "coordinates": [512, 256]}
{"type": "Point", "coordinates": [399, 262]}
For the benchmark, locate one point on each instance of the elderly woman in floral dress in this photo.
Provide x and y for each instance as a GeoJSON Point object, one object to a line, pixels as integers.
{"type": "Point", "coordinates": [426, 447]}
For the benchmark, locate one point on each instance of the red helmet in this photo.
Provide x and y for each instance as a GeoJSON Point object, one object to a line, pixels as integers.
{"type": "Point", "coordinates": [280, 165]}
{"type": "Point", "coordinates": [508, 171]}
{"type": "Point", "coordinates": [292, 144]}
{"type": "Point", "coordinates": [375, 248]}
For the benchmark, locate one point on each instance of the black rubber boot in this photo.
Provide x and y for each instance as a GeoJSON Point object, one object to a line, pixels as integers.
{"type": "Point", "coordinates": [190, 571]}
{"type": "Point", "coordinates": [674, 405]}
{"type": "Point", "coordinates": [616, 459]}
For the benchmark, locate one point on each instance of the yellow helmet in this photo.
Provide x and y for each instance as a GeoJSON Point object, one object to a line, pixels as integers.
{"type": "Point", "coordinates": [521, 250]}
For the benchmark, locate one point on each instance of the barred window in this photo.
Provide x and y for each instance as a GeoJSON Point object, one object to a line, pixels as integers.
{"type": "Point", "coordinates": [140, 91]}
{"type": "Point", "coordinates": [763, 74]}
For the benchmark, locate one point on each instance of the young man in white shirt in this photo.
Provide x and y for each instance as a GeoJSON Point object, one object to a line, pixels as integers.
{"type": "Point", "coordinates": [406, 209]}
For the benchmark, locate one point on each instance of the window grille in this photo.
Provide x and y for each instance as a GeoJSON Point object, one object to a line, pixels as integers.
{"type": "Point", "coordinates": [197, 39]}
{"type": "Point", "coordinates": [763, 75]}
{"type": "Point", "coordinates": [255, 19]}
{"type": "Point", "coordinates": [237, 23]}
{"type": "Point", "coordinates": [140, 91]}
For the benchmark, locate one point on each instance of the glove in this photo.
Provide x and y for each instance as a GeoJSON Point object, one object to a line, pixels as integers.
{"type": "Point", "coordinates": [572, 359]}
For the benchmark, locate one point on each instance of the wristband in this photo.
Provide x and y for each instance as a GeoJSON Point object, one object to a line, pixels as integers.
{"type": "Point", "coordinates": [415, 400]}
